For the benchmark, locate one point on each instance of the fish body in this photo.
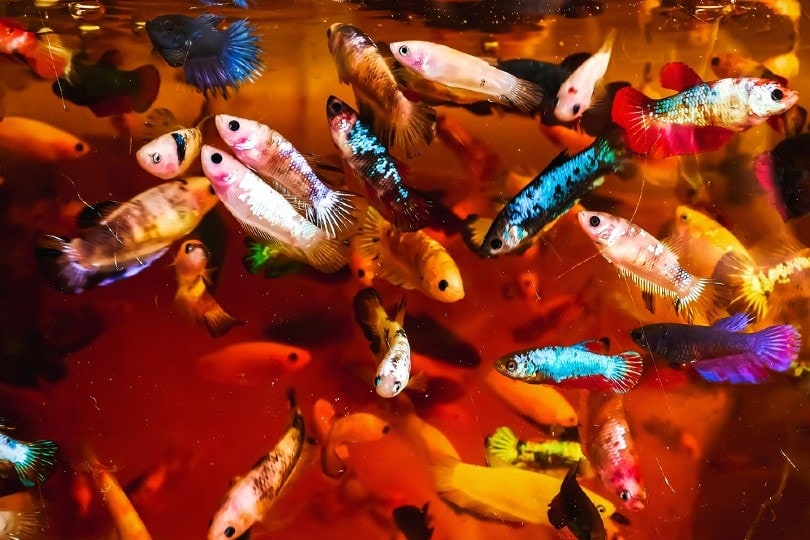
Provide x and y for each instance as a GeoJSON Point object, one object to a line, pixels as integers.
{"type": "Point", "coordinates": [784, 174]}
{"type": "Point", "coordinates": [704, 239]}
{"type": "Point", "coordinates": [647, 262]}
{"type": "Point", "coordinates": [337, 213]}
{"type": "Point", "coordinates": [552, 193]}
{"type": "Point", "coordinates": [39, 141]}
{"type": "Point", "coordinates": [578, 366]}
{"type": "Point", "coordinates": [121, 239]}
{"type": "Point", "coordinates": [21, 524]}
{"type": "Point", "coordinates": [702, 117]}
{"type": "Point", "coordinates": [410, 260]}
{"type": "Point", "coordinates": [576, 92]}
{"type": "Point", "coordinates": [723, 352]}
{"type": "Point", "coordinates": [368, 157]}
{"type": "Point", "coordinates": [170, 155]}
{"type": "Point", "coordinates": [32, 461]}
{"type": "Point", "coordinates": [249, 362]}
{"type": "Point", "coordinates": [464, 78]}
{"type": "Point", "coordinates": [400, 124]}
{"type": "Point", "coordinates": [266, 215]}
{"type": "Point", "coordinates": [251, 497]}
{"type": "Point", "coordinates": [543, 404]}
{"type": "Point", "coordinates": [45, 54]}
{"type": "Point", "coordinates": [213, 60]}
{"type": "Point", "coordinates": [413, 521]}
{"type": "Point", "coordinates": [552, 454]}
{"type": "Point", "coordinates": [572, 508]}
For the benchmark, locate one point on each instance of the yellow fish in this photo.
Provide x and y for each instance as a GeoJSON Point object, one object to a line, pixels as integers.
{"type": "Point", "coordinates": [38, 141]}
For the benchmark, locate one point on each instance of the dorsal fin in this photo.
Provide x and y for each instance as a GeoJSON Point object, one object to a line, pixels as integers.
{"type": "Point", "coordinates": [678, 76]}
{"type": "Point", "coordinates": [598, 346]}
{"type": "Point", "coordinates": [90, 216]}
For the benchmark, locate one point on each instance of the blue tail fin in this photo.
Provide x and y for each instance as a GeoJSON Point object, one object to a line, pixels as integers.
{"type": "Point", "coordinates": [38, 463]}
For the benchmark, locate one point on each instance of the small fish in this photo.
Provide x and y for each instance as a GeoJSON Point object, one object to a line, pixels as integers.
{"type": "Point", "coordinates": [462, 78]}
{"type": "Point", "coordinates": [32, 461]}
{"type": "Point", "coordinates": [397, 122]}
{"type": "Point", "coordinates": [704, 240]}
{"type": "Point", "coordinates": [410, 260]}
{"type": "Point", "coordinates": [21, 524]}
{"type": "Point", "coordinates": [583, 365]}
{"type": "Point", "coordinates": [266, 215]}
{"type": "Point", "coordinates": [193, 297]}
{"type": "Point", "coordinates": [44, 53]}
{"type": "Point", "coordinates": [578, 90]}
{"type": "Point", "coordinates": [214, 61]}
{"type": "Point", "coordinates": [542, 404]}
{"type": "Point", "coordinates": [702, 117]}
{"type": "Point", "coordinates": [251, 362]}
{"type": "Point", "coordinates": [121, 239]}
{"type": "Point", "coordinates": [651, 265]}
{"type": "Point", "coordinates": [722, 352]}
{"type": "Point", "coordinates": [413, 522]}
{"type": "Point", "coordinates": [784, 174]}
{"type": "Point", "coordinates": [364, 153]}
{"type": "Point", "coordinates": [251, 497]}
{"type": "Point", "coordinates": [39, 141]}
{"type": "Point", "coordinates": [389, 342]}
{"type": "Point", "coordinates": [107, 90]}
{"type": "Point", "coordinates": [169, 154]}
{"type": "Point", "coordinates": [504, 445]}
{"type": "Point", "coordinates": [337, 213]}
{"type": "Point", "coordinates": [345, 432]}
{"type": "Point", "coordinates": [572, 508]}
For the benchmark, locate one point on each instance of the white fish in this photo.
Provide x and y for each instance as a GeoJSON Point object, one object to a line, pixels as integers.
{"type": "Point", "coordinates": [576, 93]}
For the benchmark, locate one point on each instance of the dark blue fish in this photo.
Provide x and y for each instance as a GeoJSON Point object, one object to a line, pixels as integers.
{"type": "Point", "coordinates": [784, 174]}
{"type": "Point", "coordinates": [573, 509]}
{"type": "Point", "coordinates": [213, 60]}
{"type": "Point", "coordinates": [413, 522]}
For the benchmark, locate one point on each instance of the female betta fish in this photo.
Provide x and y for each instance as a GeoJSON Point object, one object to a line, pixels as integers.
{"type": "Point", "coordinates": [367, 156]}
{"type": "Point", "coordinates": [702, 117]}
{"type": "Point", "coordinates": [32, 461]}
{"type": "Point", "coordinates": [572, 508]}
{"type": "Point", "coordinates": [213, 60]}
{"type": "Point", "coordinates": [121, 239]}
{"type": "Point", "coordinates": [723, 352]}
{"type": "Point", "coordinates": [576, 93]}
{"type": "Point", "coordinates": [173, 148]}
{"type": "Point", "coordinates": [253, 495]}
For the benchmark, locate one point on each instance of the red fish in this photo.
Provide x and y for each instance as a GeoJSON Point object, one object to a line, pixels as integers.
{"type": "Point", "coordinates": [45, 54]}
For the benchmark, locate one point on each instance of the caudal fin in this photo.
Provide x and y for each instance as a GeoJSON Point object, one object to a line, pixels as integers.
{"type": "Point", "coordinates": [411, 213]}
{"type": "Point", "coordinates": [415, 128]}
{"type": "Point", "coordinates": [739, 287]}
{"type": "Point", "coordinates": [340, 213]}
{"type": "Point", "coordinates": [778, 346]}
{"type": "Point", "coordinates": [735, 369]}
{"type": "Point", "coordinates": [22, 524]}
{"type": "Point", "coordinates": [626, 372]}
{"type": "Point", "coordinates": [38, 463]}
{"type": "Point", "coordinates": [765, 171]}
{"type": "Point", "coordinates": [50, 59]}
{"type": "Point", "coordinates": [629, 111]}
{"type": "Point", "coordinates": [503, 444]}
{"type": "Point", "coordinates": [146, 89]}
{"type": "Point", "coordinates": [217, 321]}
{"type": "Point", "coordinates": [58, 263]}
{"type": "Point", "coordinates": [524, 95]}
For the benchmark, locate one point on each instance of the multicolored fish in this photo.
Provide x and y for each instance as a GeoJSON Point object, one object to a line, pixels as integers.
{"type": "Point", "coordinates": [337, 213]}
{"type": "Point", "coordinates": [214, 61]}
{"type": "Point", "coordinates": [784, 174]}
{"type": "Point", "coordinates": [577, 92]}
{"type": "Point", "coordinates": [251, 496]}
{"type": "Point", "coordinates": [192, 297]}
{"type": "Point", "coordinates": [650, 264]}
{"type": "Point", "coordinates": [584, 365]}
{"type": "Point", "coordinates": [398, 122]}
{"type": "Point", "coordinates": [504, 445]}
{"type": "Point", "coordinates": [722, 352]}
{"type": "Point", "coordinates": [39, 141]}
{"type": "Point", "coordinates": [44, 53]}
{"type": "Point", "coordinates": [409, 260]}
{"type": "Point", "coordinates": [121, 239]}
{"type": "Point", "coordinates": [366, 155]}
{"type": "Point", "coordinates": [439, 71]}
{"type": "Point", "coordinates": [413, 521]}
{"type": "Point", "coordinates": [169, 154]}
{"type": "Point", "coordinates": [572, 508]}
{"type": "Point", "coordinates": [702, 117]}
{"type": "Point", "coordinates": [32, 461]}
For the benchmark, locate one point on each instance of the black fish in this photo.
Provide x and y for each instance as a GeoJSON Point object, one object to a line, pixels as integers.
{"type": "Point", "coordinates": [784, 174]}
{"type": "Point", "coordinates": [573, 509]}
{"type": "Point", "coordinates": [413, 522]}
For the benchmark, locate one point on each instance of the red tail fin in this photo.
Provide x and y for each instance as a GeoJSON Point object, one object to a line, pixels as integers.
{"type": "Point", "coordinates": [629, 109]}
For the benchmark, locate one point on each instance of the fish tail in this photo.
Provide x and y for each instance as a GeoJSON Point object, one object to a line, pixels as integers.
{"type": "Point", "coordinates": [629, 109]}
{"type": "Point", "coordinates": [50, 59]}
{"type": "Point", "coordinates": [60, 264]}
{"type": "Point", "coordinates": [411, 213]}
{"type": "Point", "coordinates": [146, 89]}
{"type": "Point", "coordinates": [340, 213]}
{"type": "Point", "coordinates": [414, 126]}
{"type": "Point", "coordinates": [738, 287]}
{"type": "Point", "coordinates": [23, 524]}
{"type": "Point", "coordinates": [503, 444]}
{"type": "Point", "coordinates": [626, 372]}
{"type": "Point", "coordinates": [218, 322]}
{"type": "Point", "coordinates": [766, 172]}
{"type": "Point", "coordinates": [38, 463]}
{"type": "Point", "coordinates": [524, 95]}
{"type": "Point", "coordinates": [778, 346]}
{"type": "Point", "coordinates": [743, 368]}
{"type": "Point", "coordinates": [327, 254]}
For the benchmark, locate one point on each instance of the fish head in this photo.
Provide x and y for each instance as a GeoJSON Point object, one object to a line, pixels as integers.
{"type": "Point", "coordinates": [602, 228]}
{"type": "Point", "coordinates": [631, 493]}
{"type": "Point", "coordinates": [236, 514]}
{"type": "Point", "coordinates": [654, 338]}
{"type": "Point", "coordinates": [444, 283]}
{"type": "Point", "coordinates": [192, 257]}
{"type": "Point", "coordinates": [159, 157]}
{"type": "Point", "coordinates": [412, 55]}
{"type": "Point", "coordinates": [511, 366]}
{"type": "Point", "coordinates": [344, 39]}
{"type": "Point", "coordinates": [203, 195]}
{"type": "Point", "coordinates": [341, 120]}
{"type": "Point", "coordinates": [239, 133]}
{"type": "Point", "coordinates": [769, 98]}
{"type": "Point", "coordinates": [571, 103]}
{"type": "Point", "coordinates": [171, 37]}
{"type": "Point", "coordinates": [223, 170]}
{"type": "Point", "coordinates": [503, 237]}
{"type": "Point", "coordinates": [388, 386]}
{"type": "Point", "coordinates": [73, 148]}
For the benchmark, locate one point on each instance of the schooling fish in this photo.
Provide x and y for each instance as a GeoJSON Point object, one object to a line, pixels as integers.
{"type": "Point", "coordinates": [413, 522]}
{"type": "Point", "coordinates": [551, 454]}
{"type": "Point", "coordinates": [214, 61]}
{"type": "Point", "coordinates": [702, 117]}
{"type": "Point", "coordinates": [32, 461]}
{"type": "Point", "coordinates": [44, 53]}
{"type": "Point", "coordinates": [21, 524]}
{"type": "Point", "coordinates": [409, 260]}
{"type": "Point", "coordinates": [583, 365]}
{"type": "Point", "coordinates": [651, 265]}
{"type": "Point", "coordinates": [121, 239]}
{"type": "Point", "coordinates": [192, 297]}
{"type": "Point", "coordinates": [784, 174]}
{"type": "Point", "coordinates": [251, 496]}
{"type": "Point", "coordinates": [364, 153]}
{"type": "Point", "coordinates": [398, 122]}
{"type": "Point", "coordinates": [266, 215]}
{"type": "Point", "coordinates": [169, 154]}
{"type": "Point", "coordinates": [461, 78]}
{"type": "Point", "coordinates": [577, 92]}
{"type": "Point", "coordinates": [572, 508]}
{"type": "Point", "coordinates": [337, 213]}
{"type": "Point", "coordinates": [39, 141]}
{"type": "Point", "coordinates": [723, 352]}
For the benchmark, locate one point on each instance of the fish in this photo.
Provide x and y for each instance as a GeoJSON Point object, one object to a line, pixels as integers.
{"type": "Point", "coordinates": [44, 53]}
{"type": "Point", "coordinates": [214, 61]}
{"type": "Point", "coordinates": [572, 508]}
{"type": "Point", "coordinates": [552, 193]}
{"type": "Point", "coordinates": [337, 213]}
{"type": "Point", "coordinates": [505, 446]}
{"type": "Point", "coordinates": [252, 496]}
{"type": "Point", "coordinates": [784, 174]}
{"type": "Point", "coordinates": [33, 462]}
{"type": "Point", "coordinates": [38, 141]}
{"type": "Point", "coordinates": [650, 264]}
{"type": "Point", "coordinates": [388, 341]}
{"type": "Point", "coordinates": [399, 123]}
{"type": "Point", "coordinates": [21, 524]}
{"type": "Point", "coordinates": [704, 240]}
{"type": "Point", "coordinates": [543, 404]}
{"type": "Point", "coordinates": [169, 154]}
{"type": "Point", "coordinates": [702, 116]}
{"type": "Point", "coordinates": [193, 297]}
{"type": "Point", "coordinates": [723, 352]}
{"type": "Point", "coordinates": [368, 158]}
{"type": "Point", "coordinates": [611, 451]}
{"type": "Point", "coordinates": [119, 240]}
{"type": "Point", "coordinates": [107, 90]}
{"type": "Point", "coordinates": [583, 365]}
{"type": "Point", "coordinates": [411, 260]}
{"type": "Point", "coordinates": [252, 362]}
{"type": "Point", "coordinates": [413, 521]}
{"type": "Point", "coordinates": [266, 215]}
{"type": "Point", "coordinates": [347, 431]}
{"type": "Point", "coordinates": [577, 91]}
{"type": "Point", "coordinates": [459, 77]}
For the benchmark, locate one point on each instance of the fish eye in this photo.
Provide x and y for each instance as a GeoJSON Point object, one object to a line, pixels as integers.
{"type": "Point", "coordinates": [575, 109]}
{"type": "Point", "coordinates": [229, 531]}
{"type": "Point", "coordinates": [155, 158]}
{"type": "Point", "coordinates": [233, 125]}
{"type": "Point", "coordinates": [443, 285]}
{"type": "Point", "coordinates": [397, 387]}
{"type": "Point", "coordinates": [624, 495]}
{"type": "Point", "coordinates": [361, 273]}
{"type": "Point", "coordinates": [511, 365]}
{"type": "Point", "coordinates": [403, 50]}
{"type": "Point", "coordinates": [293, 357]}
{"type": "Point", "coordinates": [495, 243]}
{"type": "Point", "coordinates": [189, 247]}
{"type": "Point", "coordinates": [79, 147]}
{"type": "Point", "coordinates": [377, 381]}
{"type": "Point", "coordinates": [716, 61]}
{"type": "Point", "coordinates": [594, 221]}
{"type": "Point", "coordinates": [684, 217]}
{"type": "Point", "coordinates": [336, 106]}
{"type": "Point", "coordinates": [777, 95]}
{"type": "Point", "coordinates": [216, 158]}
{"type": "Point", "coordinates": [601, 508]}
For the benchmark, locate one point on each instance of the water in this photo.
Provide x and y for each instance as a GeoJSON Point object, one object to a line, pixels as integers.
{"type": "Point", "coordinates": [116, 368]}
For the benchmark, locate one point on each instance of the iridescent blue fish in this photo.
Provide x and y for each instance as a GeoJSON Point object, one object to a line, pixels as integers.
{"type": "Point", "coordinates": [32, 461]}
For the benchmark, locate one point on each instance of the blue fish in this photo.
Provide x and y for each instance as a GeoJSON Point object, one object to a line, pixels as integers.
{"type": "Point", "coordinates": [213, 60]}
{"type": "Point", "coordinates": [582, 365]}
{"type": "Point", "coordinates": [723, 352]}
{"type": "Point", "coordinates": [32, 461]}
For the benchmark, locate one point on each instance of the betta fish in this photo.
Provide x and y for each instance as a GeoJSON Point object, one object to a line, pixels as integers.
{"type": "Point", "coordinates": [44, 53]}
{"type": "Point", "coordinates": [784, 174]}
{"type": "Point", "coordinates": [39, 141]}
{"type": "Point", "coordinates": [577, 92]}
{"type": "Point", "coordinates": [32, 461]}
{"type": "Point", "coordinates": [573, 509]}
{"type": "Point", "coordinates": [213, 60]}
{"type": "Point", "coordinates": [171, 150]}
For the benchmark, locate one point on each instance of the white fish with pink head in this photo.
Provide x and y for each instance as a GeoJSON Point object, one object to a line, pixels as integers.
{"type": "Point", "coordinates": [576, 93]}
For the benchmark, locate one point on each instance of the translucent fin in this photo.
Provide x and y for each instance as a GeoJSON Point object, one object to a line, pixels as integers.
{"type": "Point", "coordinates": [22, 525]}
{"type": "Point", "coordinates": [39, 462]}
{"type": "Point", "coordinates": [737, 286]}
{"type": "Point", "coordinates": [340, 213]}
{"type": "Point", "coordinates": [159, 122]}
{"type": "Point", "coordinates": [679, 76]}
{"type": "Point", "coordinates": [778, 346]}
{"type": "Point", "coordinates": [524, 95]}
{"type": "Point", "coordinates": [58, 263]}
{"type": "Point", "coordinates": [503, 444]}
{"type": "Point", "coordinates": [217, 321]}
{"type": "Point", "coordinates": [626, 372]}
{"type": "Point", "coordinates": [328, 254]}
{"type": "Point", "coordinates": [371, 317]}
{"type": "Point", "coordinates": [418, 383]}
{"type": "Point", "coordinates": [414, 129]}
{"type": "Point", "coordinates": [735, 369]}
{"type": "Point", "coordinates": [413, 213]}
{"type": "Point", "coordinates": [51, 59]}
{"type": "Point", "coordinates": [735, 323]}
